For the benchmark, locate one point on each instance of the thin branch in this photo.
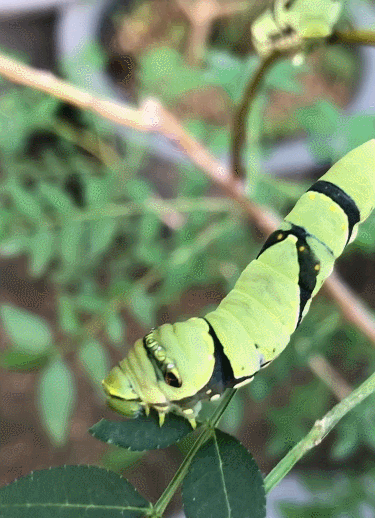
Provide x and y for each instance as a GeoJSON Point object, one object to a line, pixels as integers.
{"type": "Point", "coordinates": [352, 308]}
{"type": "Point", "coordinates": [239, 119]}
{"type": "Point", "coordinates": [162, 208]}
{"type": "Point", "coordinates": [361, 37]}
{"type": "Point", "coordinates": [47, 82]}
{"type": "Point", "coordinates": [357, 37]}
{"type": "Point", "coordinates": [206, 433]}
{"type": "Point", "coordinates": [325, 372]}
{"type": "Point", "coordinates": [202, 14]}
{"type": "Point", "coordinates": [318, 432]}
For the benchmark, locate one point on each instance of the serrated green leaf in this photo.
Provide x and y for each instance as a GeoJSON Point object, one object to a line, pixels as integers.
{"type": "Point", "coordinates": [142, 433]}
{"type": "Point", "coordinates": [29, 333]}
{"type": "Point", "coordinates": [72, 492]}
{"type": "Point", "coordinates": [41, 251]}
{"type": "Point", "coordinates": [95, 361]}
{"type": "Point", "coordinates": [56, 400]}
{"type": "Point", "coordinates": [224, 482]}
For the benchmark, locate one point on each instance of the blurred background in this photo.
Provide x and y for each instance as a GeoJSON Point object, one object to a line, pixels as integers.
{"type": "Point", "coordinates": [106, 232]}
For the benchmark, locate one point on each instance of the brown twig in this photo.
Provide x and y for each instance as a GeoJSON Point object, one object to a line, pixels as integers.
{"type": "Point", "coordinates": [202, 14]}
{"type": "Point", "coordinates": [46, 82]}
{"type": "Point", "coordinates": [334, 381]}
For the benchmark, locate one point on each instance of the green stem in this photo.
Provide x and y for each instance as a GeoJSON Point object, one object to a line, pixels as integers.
{"type": "Point", "coordinates": [320, 429]}
{"type": "Point", "coordinates": [358, 37]}
{"type": "Point", "coordinates": [159, 207]}
{"type": "Point", "coordinates": [239, 120]}
{"type": "Point", "coordinates": [207, 430]}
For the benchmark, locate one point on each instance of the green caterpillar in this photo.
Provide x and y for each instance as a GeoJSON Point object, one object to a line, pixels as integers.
{"type": "Point", "coordinates": [175, 366]}
{"type": "Point", "coordinates": [288, 18]}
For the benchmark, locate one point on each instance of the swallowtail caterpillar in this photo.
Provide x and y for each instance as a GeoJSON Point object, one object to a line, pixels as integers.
{"type": "Point", "coordinates": [175, 366]}
{"type": "Point", "coordinates": [303, 19]}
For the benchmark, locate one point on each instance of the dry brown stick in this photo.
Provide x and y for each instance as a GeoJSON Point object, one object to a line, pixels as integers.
{"type": "Point", "coordinates": [46, 82]}
{"type": "Point", "coordinates": [153, 117]}
{"type": "Point", "coordinates": [202, 14]}
{"type": "Point", "coordinates": [330, 376]}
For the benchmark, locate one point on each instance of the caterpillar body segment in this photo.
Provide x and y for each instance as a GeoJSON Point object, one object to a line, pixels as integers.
{"type": "Point", "coordinates": [294, 20]}
{"type": "Point", "coordinates": [177, 365]}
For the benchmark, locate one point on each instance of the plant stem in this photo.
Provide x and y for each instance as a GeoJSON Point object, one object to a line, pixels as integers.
{"type": "Point", "coordinates": [158, 207]}
{"type": "Point", "coordinates": [320, 429]}
{"type": "Point", "coordinates": [358, 37]}
{"type": "Point", "coordinates": [239, 119]}
{"type": "Point", "coordinates": [207, 430]}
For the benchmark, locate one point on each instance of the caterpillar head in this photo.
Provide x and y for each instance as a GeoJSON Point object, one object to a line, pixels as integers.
{"type": "Point", "coordinates": [165, 370]}
{"type": "Point", "coordinates": [308, 18]}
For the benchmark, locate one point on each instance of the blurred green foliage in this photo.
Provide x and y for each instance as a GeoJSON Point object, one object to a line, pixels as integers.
{"type": "Point", "coordinates": [86, 220]}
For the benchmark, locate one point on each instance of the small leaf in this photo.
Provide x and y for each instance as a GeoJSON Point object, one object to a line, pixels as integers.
{"type": "Point", "coordinates": [95, 361]}
{"type": "Point", "coordinates": [224, 482]}
{"type": "Point", "coordinates": [41, 250]}
{"type": "Point", "coordinates": [70, 235]}
{"type": "Point", "coordinates": [97, 192]}
{"type": "Point", "coordinates": [56, 400]}
{"type": "Point", "coordinates": [142, 305]}
{"type": "Point", "coordinates": [29, 333]}
{"type": "Point", "coordinates": [57, 198]}
{"type": "Point", "coordinates": [142, 433]}
{"type": "Point", "coordinates": [72, 492]}
{"type": "Point", "coordinates": [13, 246]}
{"type": "Point", "coordinates": [102, 232]}
{"type": "Point", "coordinates": [67, 316]}
{"type": "Point", "coordinates": [115, 327]}
{"type": "Point", "coordinates": [138, 190]}
{"type": "Point", "coordinates": [90, 303]}
{"type": "Point", "coordinates": [13, 360]}
{"type": "Point", "coordinates": [25, 201]}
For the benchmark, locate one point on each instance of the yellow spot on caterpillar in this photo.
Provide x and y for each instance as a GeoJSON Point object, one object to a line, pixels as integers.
{"type": "Point", "coordinates": [343, 228]}
{"type": "Point", "coordinates": [317, 267]}
{"type": "Point", "coordinates": [215, 397]}
{"type": "Point", "coordinates": [208, 391]}
{"type": "Point", "coordinates": [280, 236]}
{"type": "Point", "coordinates": [242, 383]}
{"type": "Point", "coordinates": [312, 196]}
{"type": "Point", "coordinates": [301, 248]}
{"type": "Point", "coordinates": [332, 208]}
